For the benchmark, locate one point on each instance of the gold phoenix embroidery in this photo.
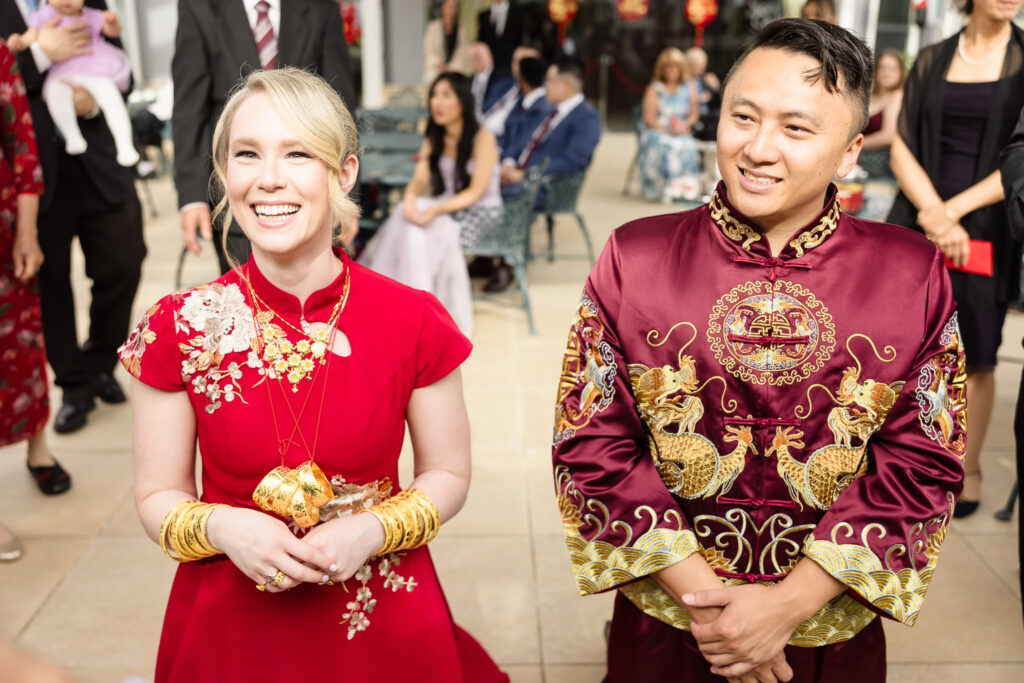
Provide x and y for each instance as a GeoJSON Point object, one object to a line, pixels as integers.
{"type": "Point", "coordinates": [588, 373]}
{"type": "Point", "coordinates": [780, 311]}
{"type": "Point", "coordinates": [942, 393]}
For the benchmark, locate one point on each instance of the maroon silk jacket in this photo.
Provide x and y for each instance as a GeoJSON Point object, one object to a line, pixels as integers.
{"type": "Point", "coordinates": [759, 409]}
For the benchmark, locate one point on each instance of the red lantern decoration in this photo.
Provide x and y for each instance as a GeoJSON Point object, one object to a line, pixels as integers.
{"type": "Point", "coordinates": [562, 12]}
{"type": "Point", "coordinates": [632, 10]}
{"type": "Point", "coordinates": [700, 13]}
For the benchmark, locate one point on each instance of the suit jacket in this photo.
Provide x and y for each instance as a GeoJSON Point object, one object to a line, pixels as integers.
{"type": "Point", "coordinates": [116, 184]}
{"type": "Point", "coordinates": [498, 83]}
{"type": "Point", "coordinates": [1012, 170]}
{"type": "Point", "coordinates": [214, 47]}
{"type": "Point", "coordinates": [520, 124]}
{"type": "Point", "coordinates": [512, 37]}
{"type": "Point", "coordinates": [570, 145]}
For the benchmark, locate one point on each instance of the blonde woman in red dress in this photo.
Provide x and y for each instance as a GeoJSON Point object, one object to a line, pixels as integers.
{"type": "Point", "coordinates": [300, 363]}
{"type": "Point", "coordinates": [24, 404]}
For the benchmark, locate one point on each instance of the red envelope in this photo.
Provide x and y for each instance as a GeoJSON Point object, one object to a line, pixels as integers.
{"type": "Point", "coordinates": [979, 262]}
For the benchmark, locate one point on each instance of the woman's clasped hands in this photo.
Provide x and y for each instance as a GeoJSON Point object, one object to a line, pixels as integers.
{"type": "Point", "coordinates": [261, 546]}
{"type": "Point", "coordinates": [942, 226]}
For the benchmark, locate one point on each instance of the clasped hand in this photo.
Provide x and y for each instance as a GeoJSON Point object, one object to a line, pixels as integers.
{"type": "Point", "coordinates": [745, 642]}
{"type": "Point", "coordinates": [948, 235]}
{"type": "Point", "coordinates": [260, 546]}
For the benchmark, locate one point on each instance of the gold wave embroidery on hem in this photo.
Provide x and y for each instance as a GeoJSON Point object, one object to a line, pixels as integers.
{"type": "Point", "coordinates": [836, 622]}
{"type": "Point", "coordinates": [600, 565]}
{"type": "Point", "coordinates": [588, 373]}
{"type": "Point", "coordinates": [731, 226]}
{"type": "Point", "coordinates": [798, 324]}
{"type": "Point", "coordinates": [808, 239]}
{"type": "Point", "coordinates": [942, 393]}
{"type": "Point", "coordinates": [898, 593]}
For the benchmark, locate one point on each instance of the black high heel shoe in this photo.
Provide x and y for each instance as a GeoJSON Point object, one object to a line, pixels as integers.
{"type": "Point", "coordinates": [966, 508]}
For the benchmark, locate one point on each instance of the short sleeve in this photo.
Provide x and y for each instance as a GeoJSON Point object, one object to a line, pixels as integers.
{"type": "Point", "coordinates": [440, 346]}
{"type": "Point", "coordinates": [151, 353]}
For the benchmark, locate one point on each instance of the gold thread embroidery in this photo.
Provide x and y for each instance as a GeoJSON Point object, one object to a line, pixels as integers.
{"type": "Point", "coordinates": [809, 239]}
{"type": "Point", "coordinates": [732, 227]}
{"type": "Point", "coordinates": [588, 373]}
{"type": "Point", "coordinates": [132, 350]}
{"type": "Point", "coordinates": [781, 310]}
{"type": "Point", "coordinates": [942, 393]}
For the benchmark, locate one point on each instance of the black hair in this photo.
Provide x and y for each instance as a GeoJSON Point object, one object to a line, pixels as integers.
{"type": "Point", "coordinates": [571, 68]}
{"type": "Point", "coordinates": [461, 84]}
{"type": "Point", "coordinates": [846, 64]}
{"type": "Point", "coordinates": [966, 7]}
{"type": "Point", "coordinates": [531, 70]}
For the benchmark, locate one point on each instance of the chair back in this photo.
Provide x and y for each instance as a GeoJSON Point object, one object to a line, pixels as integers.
{"type": "Point", "coordinates": [503, 231]}
{"type": "Point", "coordinates": [391, 120]}
{"type": "Point", "coordinates": [561, 192]}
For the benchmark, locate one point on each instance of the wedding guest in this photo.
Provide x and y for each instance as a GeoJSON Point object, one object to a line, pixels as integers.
{"type": "Point", "coordinates": [445, 43]}
{"type": "Point", "coordinates": [883, 113]}
{"type": "Point", "coordinates": [671, 109]}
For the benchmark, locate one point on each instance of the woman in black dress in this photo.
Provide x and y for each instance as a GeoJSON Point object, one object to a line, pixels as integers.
{"type": "Point", "coordinates": [960, 104]}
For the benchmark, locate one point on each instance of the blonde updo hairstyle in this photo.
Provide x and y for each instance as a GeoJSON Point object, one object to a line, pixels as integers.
{"type": "Point", "coordinates": [320, 121]}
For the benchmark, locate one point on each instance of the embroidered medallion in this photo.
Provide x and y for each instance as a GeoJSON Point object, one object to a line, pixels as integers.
{"type": "Point", "coordinates": [771, 332]}
{"type": "Point", "coordinates": [587, 384]}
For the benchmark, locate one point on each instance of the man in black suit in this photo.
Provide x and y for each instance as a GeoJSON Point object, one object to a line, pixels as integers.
{"type": "Point", "coordinates": [91, 197]}
{"type": "Point", "coordinates": [501, 27]}
{"type": "Point", "coordinates": [214, 47]}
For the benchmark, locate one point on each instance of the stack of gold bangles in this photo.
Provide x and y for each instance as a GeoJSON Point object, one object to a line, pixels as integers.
{"type": "Point", "coordinates": [183, 531]}
{"type": "Point", "coordinates": [410, 520]}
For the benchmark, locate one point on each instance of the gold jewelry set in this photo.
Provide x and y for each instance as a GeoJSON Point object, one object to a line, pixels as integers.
{"type": "Point", "coordinates": [272, 580]}
{"type": "Point", "coordinates": [294, 362]}
{"type": "Point", "coordinates": [410, 519]}
{"type": "Point", "coordinates": [297, 493]}
{"type": "Point", "coordinates": [183, 532]}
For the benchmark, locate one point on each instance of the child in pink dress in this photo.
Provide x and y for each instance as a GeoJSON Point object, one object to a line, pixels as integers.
{"type": "Point", "coordinates": [104, 72]}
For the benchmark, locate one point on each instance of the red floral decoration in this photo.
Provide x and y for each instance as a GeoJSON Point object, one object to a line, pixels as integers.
{"type": "Point", "coordinates": [700, 13]}
{"type": "Point", "coordinates": [562, 12]}
{"type": "Point", "coordinates": [350, 20]}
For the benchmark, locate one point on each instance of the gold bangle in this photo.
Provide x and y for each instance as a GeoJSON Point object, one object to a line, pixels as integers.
{"type": "Point", "coordinates": [410, 519]}
{"type": "Point", "coordinates": [183, 531]}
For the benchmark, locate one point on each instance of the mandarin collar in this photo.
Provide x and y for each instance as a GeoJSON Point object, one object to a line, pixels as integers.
{"type": "Point", "coordinates": [318, 305]}
{"type": "Point", "coordinates": [741, 231]}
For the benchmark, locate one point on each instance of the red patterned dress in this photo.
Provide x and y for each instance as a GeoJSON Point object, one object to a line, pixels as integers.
{"type": "Point", "coordinates": [218, 627]}
{"type": "Point", "coordinates": [24, 403]}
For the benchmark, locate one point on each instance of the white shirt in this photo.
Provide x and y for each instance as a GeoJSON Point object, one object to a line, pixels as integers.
{"type": "Point", "coordinates": [534, 95]}
{"type": "Point", "coordinates": [42, 61]}
{"type": "Point", "coordinates": [499, 15]}
{"type": "Point", "coordinates": [274, 14]}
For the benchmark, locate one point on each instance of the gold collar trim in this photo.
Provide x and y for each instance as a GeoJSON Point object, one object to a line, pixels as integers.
{"type": "Point", "coordinates": [738, 231]}
{"type": "Point", "coordinates": [733, 228]}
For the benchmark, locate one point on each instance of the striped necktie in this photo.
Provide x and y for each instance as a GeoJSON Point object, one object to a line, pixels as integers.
{"type": "Point", "coordinates": [266, 41]}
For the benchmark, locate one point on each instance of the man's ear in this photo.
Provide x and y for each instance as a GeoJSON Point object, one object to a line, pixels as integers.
{"type": "Point", "coordinates": [850, 156]}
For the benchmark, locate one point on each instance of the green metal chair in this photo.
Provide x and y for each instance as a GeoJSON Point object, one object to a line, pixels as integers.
{"type": "Point", "coordinates": [503, 231]}
{"type": "Point", "coordinates": [561, 194]}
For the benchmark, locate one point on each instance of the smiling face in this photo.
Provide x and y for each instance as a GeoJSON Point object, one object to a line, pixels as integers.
{"type": "Point", "coordinates": [276, 188]}
{"type": "Point", "coordinates": [997, 10]}
{"type": "Point", "coordinates": [445, 108]}
{"type": "Point", "coordinates": [781, 139]}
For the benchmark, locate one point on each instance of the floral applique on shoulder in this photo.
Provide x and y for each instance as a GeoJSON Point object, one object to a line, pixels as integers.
{"type": "Point", "coordinates": [132, 350]}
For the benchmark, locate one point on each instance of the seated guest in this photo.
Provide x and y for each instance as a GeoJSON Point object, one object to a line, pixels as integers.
{"type": "Point", "coordinates": [494, 117]}
{"type": "Point", "coordinates": [532, 106]}
{"type": "Point", "coordinates": [419, 243]}
{"type": "Point", "coordinates": [566, 137]}
{"type": "Point", "coordinates": [670, 111]}
{"type": "Point", "coordinates": [709, 93]}
{"type": "Point", "coordinates": [489, 84]}
{"type": "Point", "coordinates": [883, 113]}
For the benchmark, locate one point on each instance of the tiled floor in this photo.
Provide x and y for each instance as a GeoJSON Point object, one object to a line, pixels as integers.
{"type": "Point", "coordinates": [90, 591]}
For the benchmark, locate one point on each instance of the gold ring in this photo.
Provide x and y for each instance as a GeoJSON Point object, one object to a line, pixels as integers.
{"type": "Point", "coordinates": [261, 587]}
{"type": "Point", "coordinates": [279, 578]}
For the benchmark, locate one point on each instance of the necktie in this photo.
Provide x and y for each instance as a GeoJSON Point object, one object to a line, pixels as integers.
{"type": "Point", "coordinates": [538, 137]}
{"type": "Point", "coordinates": [266, 41]}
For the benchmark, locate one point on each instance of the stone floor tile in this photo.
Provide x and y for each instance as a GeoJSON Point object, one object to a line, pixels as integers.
{"type": "Point", "coordinates": [109, 609]}
{"type": "Point", "coordinates": [544, 516]}
{"type": "Point", "coordinates": [494, 418]}
{"type": "Point", "coordinates": [574, 674]}
{"type": "Point", "coordinates": [100, 479]}
{"type": "Point", "coordinates": [999, 553]}
{"type": "Point", "coordinates": [963, 591]}
{"type": "Point", "coordinates": [999, 470]}
{"type": "Point", "coordinates": [571, 626]}
{"type": "Point", "coordinates": [489, 584]}
{"type": "Point", "coordinates": [496, 503]}
{"type": "Point", "coordinates": [125, 519]}
{"type": "Point", "coordinates": [117, 674]}
{"type": "Point", "coordinates": [26, 584]}
{"type": "Point", "coordinates": [955, 673]}
{"type": "Point", "coordinates": [523, 673]}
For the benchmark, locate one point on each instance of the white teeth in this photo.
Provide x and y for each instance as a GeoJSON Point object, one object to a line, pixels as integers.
{"type": "Point", "coordinates": [764, 180]}
{"type": "Point", "coordinates": [265, 210]}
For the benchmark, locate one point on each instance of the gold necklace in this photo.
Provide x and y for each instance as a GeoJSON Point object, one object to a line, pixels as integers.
{"type": "Point", "coordinates": [294, 362]}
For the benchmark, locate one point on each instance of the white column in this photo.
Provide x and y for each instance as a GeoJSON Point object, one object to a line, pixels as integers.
{"type": "Point", "coordinates": [372, 20]}
{"type": "Point", "coordinates": [128, 13]}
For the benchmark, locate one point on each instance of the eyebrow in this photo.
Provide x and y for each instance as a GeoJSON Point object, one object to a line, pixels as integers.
{"type": "Point", "coordinates": [254, 142]}
{"type": "Point", "coordinates": [808, 116]}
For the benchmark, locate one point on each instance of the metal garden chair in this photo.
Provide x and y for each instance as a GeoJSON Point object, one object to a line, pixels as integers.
{"type": "Point", "coordinates": [503, 231]}
{"type": "Point", "coordinates": [562, 193]}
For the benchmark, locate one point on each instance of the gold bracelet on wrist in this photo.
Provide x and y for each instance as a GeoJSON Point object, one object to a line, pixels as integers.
{"type": "Point", "coordinates": [183, 531]}
{"type": "Point", "coordinates": [410, 519]}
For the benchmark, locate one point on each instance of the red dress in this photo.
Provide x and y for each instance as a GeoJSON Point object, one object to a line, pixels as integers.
{"type": "Point", "coordinates": [218, 627]}
{"type": "Point", "coordinates": [24, 404]}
